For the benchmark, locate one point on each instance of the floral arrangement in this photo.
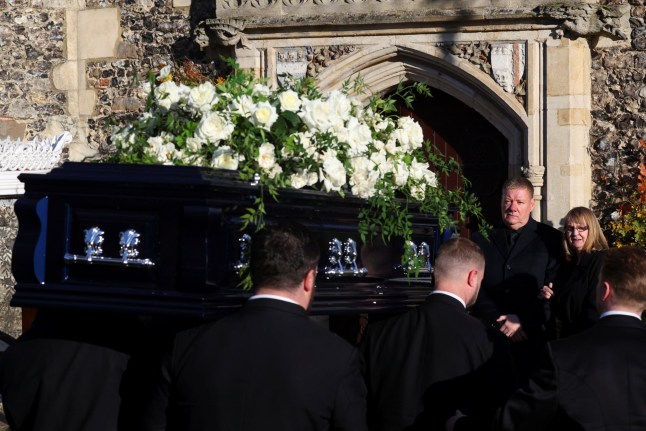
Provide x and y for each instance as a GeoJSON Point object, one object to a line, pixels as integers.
{"type": "Point", "coordinates": [628, 222]}
{"type": "Point", "coordinates": [295, 137]}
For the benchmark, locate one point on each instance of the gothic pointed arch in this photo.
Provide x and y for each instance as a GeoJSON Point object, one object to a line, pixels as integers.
{"type": "Point", "coordinates": [383, 68]}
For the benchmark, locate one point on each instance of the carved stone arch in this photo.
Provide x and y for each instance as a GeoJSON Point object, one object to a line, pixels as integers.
{"type": "Point", "coordinates": [383, 68]}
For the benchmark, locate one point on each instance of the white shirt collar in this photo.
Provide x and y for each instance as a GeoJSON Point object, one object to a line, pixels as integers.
{"type": "Point", "coordinates": [620, 313]}
{"type": "Point", "coordinates": [452, 295]}
{"type": "Point", "coordinates": [277, 297]}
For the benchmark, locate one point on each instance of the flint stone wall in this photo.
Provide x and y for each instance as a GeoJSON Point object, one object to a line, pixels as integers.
{"type": "Point", "coordinates": [36, 99]}
{"type": "Point", "coordinates": [619, 116]}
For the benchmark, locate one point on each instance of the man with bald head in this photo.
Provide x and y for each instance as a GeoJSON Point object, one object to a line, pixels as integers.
{"type": "Point", "coordinates": [423, 365]}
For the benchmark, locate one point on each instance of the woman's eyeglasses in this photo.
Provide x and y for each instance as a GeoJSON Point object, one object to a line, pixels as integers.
{"type": "Point", "coordinates": [579, 229]}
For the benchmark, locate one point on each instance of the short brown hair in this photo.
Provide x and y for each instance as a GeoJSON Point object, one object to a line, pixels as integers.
{"type": "Point", "coordinates": [455, 255]}
{"type": "Point", "coordinates": [281, 255]}
{"type": "Point", "coordinates": [519, 183]}
{"type": "Point", "coordinates": [625, 269]}
{"type": "Point", "coordinates": [595, 241]}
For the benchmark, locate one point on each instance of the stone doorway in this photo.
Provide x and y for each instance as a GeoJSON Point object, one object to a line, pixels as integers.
{"type": "Point", "coordinates": [458, 131]}
{"type": "Point", "coordinates": [524, 67]}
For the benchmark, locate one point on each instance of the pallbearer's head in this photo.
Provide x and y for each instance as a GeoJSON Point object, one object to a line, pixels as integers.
{"type": "Point", "coordinates": [459, 268]}
{"type": "Point", "coordinates": [282, 255]}
{"type": "Point", "coordinates": [622, 281]}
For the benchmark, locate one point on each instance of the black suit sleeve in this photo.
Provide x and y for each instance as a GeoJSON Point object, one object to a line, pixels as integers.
{"type": "Point", "coordinates": [486, 307]}
{"type": "Point", "coordinates": [535, 407]}
{"type": "Point", "coordinates": [350, 403]}
{"type": "Point", "coordinates": [150, 369]}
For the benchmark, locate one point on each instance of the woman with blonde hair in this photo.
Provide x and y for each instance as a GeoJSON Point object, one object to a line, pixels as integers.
{"type": "Point", "coordinates": [572, 295]}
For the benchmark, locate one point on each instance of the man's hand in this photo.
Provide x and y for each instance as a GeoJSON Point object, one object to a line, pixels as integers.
{"type": "Point", "coordinates": [546, 292]}
{"type": "Point", "coordinates": [511, 327]}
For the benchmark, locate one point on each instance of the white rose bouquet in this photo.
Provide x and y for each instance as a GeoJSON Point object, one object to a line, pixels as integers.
{"type": "Point", "coordinates": [294, 136]}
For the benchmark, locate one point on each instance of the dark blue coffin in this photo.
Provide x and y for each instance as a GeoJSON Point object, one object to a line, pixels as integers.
{"type": "Point", "coordinates": [167, 240]}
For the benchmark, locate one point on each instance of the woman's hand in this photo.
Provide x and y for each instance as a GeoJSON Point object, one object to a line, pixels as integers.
{"type": "Point", "coordinates": [546, 292]}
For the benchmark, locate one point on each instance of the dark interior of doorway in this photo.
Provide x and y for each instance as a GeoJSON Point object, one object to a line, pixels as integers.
{"type": "Point", "coordinates": [461, 132]}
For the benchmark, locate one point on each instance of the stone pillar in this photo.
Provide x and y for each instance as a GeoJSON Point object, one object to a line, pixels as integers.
{"type": "Point", "coordinates": [567, 126]}
{"type": "Point", "coordinates": [91, 34]}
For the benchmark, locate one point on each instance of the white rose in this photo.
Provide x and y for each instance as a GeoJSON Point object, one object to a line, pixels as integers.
{"type": "Point", "coordinates": [359, 135]}
{"type": "Point", "coordinates": [274, 171]}
{"type": "Point", "coordinates": [202, 97]}
{"type": "Point", "coordinates": [417, 192]}
{"type": "Point", "coordinates": [430, 178]}
{"type": "Point", "coordinates": [417, 170]}
{"type": "Point", "coordinates": [155, 141]}
{"type": "Point", "coordinates": [289, 101]}
{"type": "Point", "coordinates": [409, 133]}
{"type": "Point", "coordinates": [261, 90]}
{"type": "Point", "coordinates": [160, 149]}
{"type": "Point", "coordinates": [332, 174]}
{"type": "Point", "coordinates": [380, 126]}
{"type": "Point", "coordinates": [379, 159]}
{"type": "Point", "coordinates": [224, 158]}
{"type": "Point", "coordinates": [400, 170]}
{"type": "Point", "coordinates": [340, 103]}
{"type": "Point", "coordinates": [364, 177]}
{"type": "Point", "coordinates": [305, 138]}
{"type": "Point", "coordinates": [393, 148]}
{"type": "Point", "coordinates": [312, 178]}
{"type": "Point", "coordinates": [184, 91]}
{"type": "Point", "coordinates": [327, 153]}
{"type": "Point", "coordinates": [299, 179]}
{"type": "Point", "coordinates": [243, 105]}
{"type": "Point", "coordinates": [379, 145]}
{"type": "Point", "coordinates": [194, 144]}
{"type": "Point", "coordinates": [264, 115]}
{"type": "Point", "coordinates": [319, 115]}
{"type": "Point", "coordinates": [213, 127]}
{"type": "Point", "coordinates": [167, 95]}
{"type": "Point", "coordinates": [615, 215]}
{"type": "Point", "coordinates": [266, 156]}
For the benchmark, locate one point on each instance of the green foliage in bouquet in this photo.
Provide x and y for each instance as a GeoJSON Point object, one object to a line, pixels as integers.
{"type": "Point", "coordinates": [294, 136]}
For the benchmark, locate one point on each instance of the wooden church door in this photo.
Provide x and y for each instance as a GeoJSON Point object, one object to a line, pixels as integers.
{"type": "Point", "coordinates": [458, 131]}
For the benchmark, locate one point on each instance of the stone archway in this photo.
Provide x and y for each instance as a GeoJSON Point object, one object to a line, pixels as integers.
{"type": "Point", "coordinates": [525, 69]}
{"type": "Point", "coordinates": [382, 69]}
{"type": "Point", "coordinates": [548, 136]}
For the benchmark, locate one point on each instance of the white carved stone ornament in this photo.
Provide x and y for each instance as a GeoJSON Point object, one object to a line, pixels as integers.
{"type": "Point", "coordinates": [503, 61]}
{"type": "Point", "coordinates": [34, 156]}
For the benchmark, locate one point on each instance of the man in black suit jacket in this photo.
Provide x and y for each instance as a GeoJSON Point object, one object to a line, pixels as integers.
{"type": "Point", "coordinates": [268, 366]}
{"type": "Point", "coordinates": [522, 256]}
{"type": "Point", "coordinates": [65, 372]}
{"type": "Point", "coordinates": [594, 380]}
{"type": "Point", "coordinates": [425, 364]}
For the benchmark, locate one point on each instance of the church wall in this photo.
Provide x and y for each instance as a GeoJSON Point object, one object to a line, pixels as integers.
{"type": "Point", "coordinates": [618, 116]}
